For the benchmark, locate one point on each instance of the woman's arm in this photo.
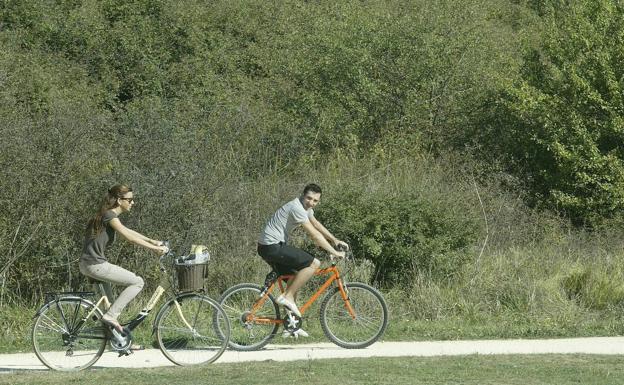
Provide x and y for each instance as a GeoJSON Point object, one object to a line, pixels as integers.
{"type": "Point", "coordinates": [135, 237]}
{"type": "Point", "coordinates": [143, 237]}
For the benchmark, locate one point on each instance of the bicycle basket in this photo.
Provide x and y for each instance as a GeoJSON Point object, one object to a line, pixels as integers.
{"type": "Point", "coordinates": [191, 276]}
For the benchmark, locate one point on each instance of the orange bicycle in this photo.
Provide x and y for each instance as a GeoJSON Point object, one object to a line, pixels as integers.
{"type": "Point", "coordinates": [353, 315]}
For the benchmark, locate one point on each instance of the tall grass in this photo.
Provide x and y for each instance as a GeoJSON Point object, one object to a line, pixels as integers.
{"type": "Point", "coordinates": [527, 275]}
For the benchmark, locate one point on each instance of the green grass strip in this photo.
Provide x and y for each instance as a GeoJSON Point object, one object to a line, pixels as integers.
{"type": "Point", "coordinates": [474, 369]}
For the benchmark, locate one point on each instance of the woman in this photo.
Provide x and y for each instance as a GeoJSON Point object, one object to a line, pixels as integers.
{"type": "Point", "coordinates": [101, 233]}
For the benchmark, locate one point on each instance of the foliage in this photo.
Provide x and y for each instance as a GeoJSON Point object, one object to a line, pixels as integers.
{"type": "Point", "coordinates": [560, 127]}
{"type": "Point", "coordinates": [593, 288]}
{"type": "Point", "coordinates": [402, 235]}
{"type": "Point", "coordinates": [206, 109]}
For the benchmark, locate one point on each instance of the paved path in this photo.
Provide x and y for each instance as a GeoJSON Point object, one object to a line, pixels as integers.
{"type": "Point", "coordinates": [153, 357]}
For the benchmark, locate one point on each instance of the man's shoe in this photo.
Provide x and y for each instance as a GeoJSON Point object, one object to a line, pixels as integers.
{"type": "Point", "coordinates": [296, 334]}
{"type": "Point", "coordinates": [301, 333]}
{"type": "Point", "coordinates": [289, 305]}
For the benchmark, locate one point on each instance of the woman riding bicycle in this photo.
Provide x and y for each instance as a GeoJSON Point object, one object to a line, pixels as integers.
{"type": "Point", "coordinates": [100, 233]}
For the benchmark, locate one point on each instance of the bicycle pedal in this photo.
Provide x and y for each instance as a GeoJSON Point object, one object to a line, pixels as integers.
{"type": "Point", "coordinates": [126, 352]}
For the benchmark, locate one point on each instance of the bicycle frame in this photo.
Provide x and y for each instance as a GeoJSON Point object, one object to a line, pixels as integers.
{"type": "Point", "coordinates": [136, 321]}
{"type": "Point", "coordinates": [280, 282]}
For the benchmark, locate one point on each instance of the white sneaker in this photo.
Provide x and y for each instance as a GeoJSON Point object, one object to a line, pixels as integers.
{"type": "Point", "coordinates": [296, 334]}
{"type": "Point", "coordinates": [289, 305]}
{"type": "Point", "coordinates": [301, 333]}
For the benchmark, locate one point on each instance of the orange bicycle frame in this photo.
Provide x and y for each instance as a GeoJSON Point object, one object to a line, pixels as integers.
{"type": "Point", "coordinates": [281, 283]}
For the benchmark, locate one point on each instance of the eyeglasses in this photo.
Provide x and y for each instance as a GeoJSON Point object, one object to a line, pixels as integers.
{"type": "Point", "coordinates": [129, 200]}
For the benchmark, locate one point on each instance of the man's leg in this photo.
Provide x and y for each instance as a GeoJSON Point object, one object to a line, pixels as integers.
{"type": "Point", "coordinates": [301, 277]}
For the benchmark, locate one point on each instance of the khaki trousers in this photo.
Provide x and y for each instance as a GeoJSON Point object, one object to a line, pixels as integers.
{"type": "Point", "coordinates": [114, 274]}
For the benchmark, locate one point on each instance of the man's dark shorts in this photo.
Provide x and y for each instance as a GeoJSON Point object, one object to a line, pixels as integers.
{"type": "Point", "coordinates": [285, 259]}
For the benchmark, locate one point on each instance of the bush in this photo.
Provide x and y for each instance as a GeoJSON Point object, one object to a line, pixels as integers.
{"type": "Point", "coordinates": [402, 235]}
{"type": "Point", "coordinates": [560, 126]}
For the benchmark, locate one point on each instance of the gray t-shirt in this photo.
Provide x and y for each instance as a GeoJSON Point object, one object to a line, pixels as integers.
{"type": "Point", "coordinates": [286, 218]}
{"type": "Point", "coordinates": [95, 244]}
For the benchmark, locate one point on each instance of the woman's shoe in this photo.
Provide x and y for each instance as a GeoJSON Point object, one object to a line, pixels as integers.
{"type": "Point", "coordinates": [113, 323]}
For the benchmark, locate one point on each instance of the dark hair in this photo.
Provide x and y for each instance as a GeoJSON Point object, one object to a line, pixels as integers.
{"type": "Point", "coordinates": [109, 202]}
{"type": "Point", "coordinates": [312, 187]}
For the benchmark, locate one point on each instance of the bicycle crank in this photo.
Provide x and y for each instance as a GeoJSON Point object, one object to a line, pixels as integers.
{"type": "Point", "coordinates": [120, 342]}
{"type": "Point", "coordinates": [292, 322]}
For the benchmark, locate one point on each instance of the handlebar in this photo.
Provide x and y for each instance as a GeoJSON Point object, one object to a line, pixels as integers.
{"type": "Point", "coordinates": [168, 254]}
{"type": "Point", "coordinates": [342, 247]}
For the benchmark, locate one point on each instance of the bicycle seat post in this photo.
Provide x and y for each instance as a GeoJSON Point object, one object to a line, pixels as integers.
{"type": "Point", "coordinates": [268, 281]}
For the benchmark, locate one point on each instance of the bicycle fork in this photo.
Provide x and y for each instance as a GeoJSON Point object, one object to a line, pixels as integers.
{"type": "Point", "coordinates": [344, 293]}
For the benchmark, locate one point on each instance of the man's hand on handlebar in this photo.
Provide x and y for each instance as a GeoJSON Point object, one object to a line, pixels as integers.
{"type": "Point", "coordinates": [337, 254]}
{"type": "Point", "coordinates": [341, 246]}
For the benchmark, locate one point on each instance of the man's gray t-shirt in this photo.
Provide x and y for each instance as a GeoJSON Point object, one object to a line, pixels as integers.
{"type": "Point", "coordinates": [95, 244]}
{"type": "Point", "coordinates": [286, 218]}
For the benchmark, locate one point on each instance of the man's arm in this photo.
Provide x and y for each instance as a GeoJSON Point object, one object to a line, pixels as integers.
{"type": "Point", "coordinates": [318, 226]}
{"type": "Point", "coordinates": [329, 236]}
{"type": "Point", "coordinates": [320, 239]}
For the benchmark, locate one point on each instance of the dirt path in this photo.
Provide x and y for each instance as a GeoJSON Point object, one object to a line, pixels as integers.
{"type": "Point", "coordinates": [301, 351]}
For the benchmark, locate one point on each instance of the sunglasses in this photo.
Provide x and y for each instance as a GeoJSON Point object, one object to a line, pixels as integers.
{"type": "Point", "coordinates": [130, 200]}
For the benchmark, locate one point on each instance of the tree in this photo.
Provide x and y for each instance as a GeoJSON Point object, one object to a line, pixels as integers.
{"type": "Point", "coordinates": [561, 126]}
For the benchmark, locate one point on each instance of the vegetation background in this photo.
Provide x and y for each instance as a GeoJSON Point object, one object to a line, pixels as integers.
{"type": "Point", "coordinates": [470, 152]}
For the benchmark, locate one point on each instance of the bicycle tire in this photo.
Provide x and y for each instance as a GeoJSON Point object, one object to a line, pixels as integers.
{"type": "Point", "coordinates": [248, 335]}
{"type": "Point", "coordinates": [200, 336]}
{"type": "Point", "coordinates": [64, 339]}
{"type": "Point", "coordinates": [369, 324]}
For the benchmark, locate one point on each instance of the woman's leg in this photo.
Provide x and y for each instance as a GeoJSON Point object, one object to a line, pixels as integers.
{"type": "Point", "coordinates": [119, 276]}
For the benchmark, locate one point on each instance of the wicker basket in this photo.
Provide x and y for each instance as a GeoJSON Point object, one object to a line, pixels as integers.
{"type": "Point", "coordinates": [191, 277]}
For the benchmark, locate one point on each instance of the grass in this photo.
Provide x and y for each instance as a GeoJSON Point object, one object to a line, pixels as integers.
{"type": "Point", "coordinates": [474, 369]}
{"type": "Point", "coordinates": [404, 325]}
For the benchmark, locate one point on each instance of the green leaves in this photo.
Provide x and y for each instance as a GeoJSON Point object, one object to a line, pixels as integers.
{"type": "Point", "coordinates": [403, 235]}
{"type": "Point", "coordinates": [561, 125]}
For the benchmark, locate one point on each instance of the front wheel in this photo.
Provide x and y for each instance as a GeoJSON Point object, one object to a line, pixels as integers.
{"type": "Point", "coordinates": [68, 335]}
{"type": "Point", "coordinates": [356, 321]}
{"type": "Point", "coordinates": [254, 319]}
{"type": "Point", "coordinates": [192, 329]}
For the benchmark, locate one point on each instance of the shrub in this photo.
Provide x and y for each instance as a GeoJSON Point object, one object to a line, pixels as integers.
{"type": "Point", "coordinates": [402, 235]}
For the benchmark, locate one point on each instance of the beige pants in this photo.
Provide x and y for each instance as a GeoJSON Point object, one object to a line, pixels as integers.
{"type": "Point", "coordinates": [114, 274]}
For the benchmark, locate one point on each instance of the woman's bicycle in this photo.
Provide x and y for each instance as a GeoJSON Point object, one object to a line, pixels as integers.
{"type": "Point", "coordinates": [191, 328]}
{"type": "Point", "coordinates": [353, 315]}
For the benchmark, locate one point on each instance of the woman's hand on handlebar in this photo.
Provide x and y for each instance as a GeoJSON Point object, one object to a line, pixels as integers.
{"type": "Point", "coordinates": [161, 249]}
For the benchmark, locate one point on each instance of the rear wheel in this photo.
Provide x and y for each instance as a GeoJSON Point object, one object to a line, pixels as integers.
{"type": "Point", "coordinates": [192, 329]}
{"type": "Point", "coordinates": [356, 322]}
{"type": "Point", "coordinates": [68, 335]}
{"type": "Point", "coordinates": [251, 329]}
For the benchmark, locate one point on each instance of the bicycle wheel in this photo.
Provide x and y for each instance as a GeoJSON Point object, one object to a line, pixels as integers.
{"type": "Point", "coordinates": [192, 329]}
{"type": "Point", "coordinates": [64, 338]}
{"type": "Point", "coordinates": [248, 333]}
{"type": "Point", "coordinates": [364, 327]}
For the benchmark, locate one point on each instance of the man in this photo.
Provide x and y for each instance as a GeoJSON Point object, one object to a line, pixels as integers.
{"type": "Point", "coordinates": [274, 249]}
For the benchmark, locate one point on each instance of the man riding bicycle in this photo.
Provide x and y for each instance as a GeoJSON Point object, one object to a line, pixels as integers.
{"type": "Point", "coordinates": [274, 249]}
